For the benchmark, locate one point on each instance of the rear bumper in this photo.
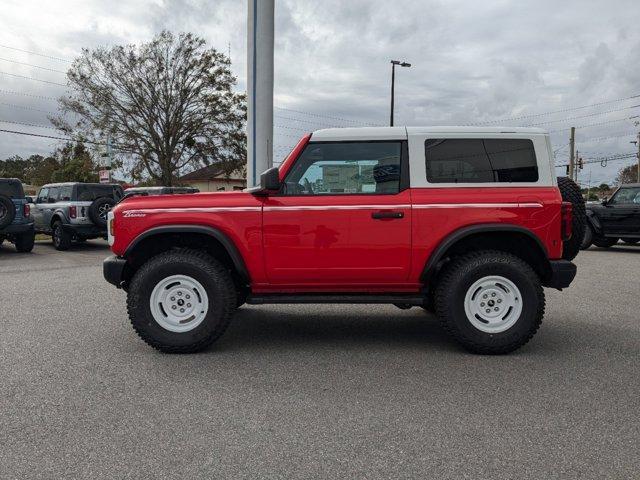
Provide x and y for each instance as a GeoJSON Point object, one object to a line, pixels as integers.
{"type": "Point", "coordinates": [113, 270]}
{"type": "Point", "coordinates": [562, 274]}
{"type": "Point", "coordinates": [17, 229]}
{"type": "Point", "coordinates": [85, 231]}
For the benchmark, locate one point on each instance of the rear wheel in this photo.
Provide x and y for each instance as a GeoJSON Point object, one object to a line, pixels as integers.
{"type": "Point", "coordinates": [631, 241]}
{"type": "Point", "coordinates": [61, 239]}
{"type": "Point", "coordinates": [25, 242]}
{"type": "Point", "coordinates": [490, 302]}
{"type": "Point", "coordinates": [181, 301]}
{"type": "Point", "coordinates": [570, 192]}
{"type": "Point", "coordinates": [604, 242]}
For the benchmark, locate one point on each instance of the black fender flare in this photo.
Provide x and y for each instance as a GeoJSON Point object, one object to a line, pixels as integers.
{"type": "Point", "coordinates": [221, 237]}
{"type": "Point", "coordinates": [594, 222]}
{"type": "Point", "coordinates": [439, 253]}
{"type": "Point", "coordinates": [58, 215]}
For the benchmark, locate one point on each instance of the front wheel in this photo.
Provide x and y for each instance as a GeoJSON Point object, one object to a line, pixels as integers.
{"type": "Point", "coordinates": [181, 301]}
{"type": "Point", "coordinates": [491, 302]}
{"type": "Point", "coordinates": [587, 240]}
{"type": "Point", "coordinates": [604, 242]}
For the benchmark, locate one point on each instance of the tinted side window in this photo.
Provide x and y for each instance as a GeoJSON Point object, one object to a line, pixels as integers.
{"type": "Point", "coordinates": [65, 193]}
{"type": "Point", "coordinates": [53, 194]}
{"type": "Point", "coordinates": [346, 168]}
{"type": "Point", "coordinates": [496, 160]}
{"type": "Point", "coordinates": [11, 189]}
{"type": "Point", "coordinates": [43, 196]}
{"type": "Point", "coordinates": [88, 193]}
{"type": "Point", "coordinates": [629, 195]}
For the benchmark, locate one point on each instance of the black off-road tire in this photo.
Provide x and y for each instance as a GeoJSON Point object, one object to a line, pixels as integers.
{"type": "Point", "coordinates": [631, 241]}
{"type": "Point", "coordinates": [604, 242]}
{"type": "Point", "coordinates": [214, 278]}
{"type": "Point", "coordinates": [61, 239]}
{"type": "Point", "coordinates": [24, 243]}
{"type": "Point", "coordinates": [459, 275]}
{"type": "Point", "coordinates": [587, 240]}
{"type": "Point", "coordinates": [570, 192]}
{"type": "Point", "coordinates": [7, 211]}
{"type": "Point", "coordinates": [98, 210]}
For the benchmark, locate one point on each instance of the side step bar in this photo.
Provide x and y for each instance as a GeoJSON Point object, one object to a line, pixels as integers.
{"type": "Point", "coordinates": [415, 300]}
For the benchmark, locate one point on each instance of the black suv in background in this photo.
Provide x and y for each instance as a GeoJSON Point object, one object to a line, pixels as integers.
{"type": "Point", "coordinates": [16, 224]}
{"type": "Point", "coordinates": [74, 211]}
{"type": "Point", "coordinates": [616, 218]}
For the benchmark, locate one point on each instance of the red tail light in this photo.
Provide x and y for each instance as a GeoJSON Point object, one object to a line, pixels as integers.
{"type": "Point", "coordinates": [567, 220]}
{"type": "Point", "coordinates": [26, 210]}
{"type": "Point", "coordinates": [73, 212]}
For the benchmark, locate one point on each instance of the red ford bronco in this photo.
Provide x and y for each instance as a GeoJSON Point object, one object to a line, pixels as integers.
{"type": "Point", "coordinates": [468, 223]}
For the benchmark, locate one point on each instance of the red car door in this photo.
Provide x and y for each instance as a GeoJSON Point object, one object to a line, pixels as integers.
{"type": "Point", "coordinates": [342, 219]}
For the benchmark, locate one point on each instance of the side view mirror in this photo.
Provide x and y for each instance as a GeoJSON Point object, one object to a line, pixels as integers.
{"type": "Point", "coordinates": [605, 201]}
{"type": "Point", "coordinates": [29, 200]}
{"type": "Point", "coordinates": [270, 180]}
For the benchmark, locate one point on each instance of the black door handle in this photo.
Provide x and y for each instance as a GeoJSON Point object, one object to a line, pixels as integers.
{"type": "Point", "coordinates": [382, 215]}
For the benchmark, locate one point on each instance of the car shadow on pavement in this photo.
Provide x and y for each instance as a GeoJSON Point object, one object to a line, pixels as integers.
{"type": "Point", "coordinates": [285, 328]}
{"type": "Point", "coordinates": [87, 246]}
{"type": "Point", "coordinates": [620, 248]}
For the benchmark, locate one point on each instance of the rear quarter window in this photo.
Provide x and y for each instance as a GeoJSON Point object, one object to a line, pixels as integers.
{"type": "Point", "coordinates": [477, 160]}
{"type": "Point", "coordinates": [11, 189]}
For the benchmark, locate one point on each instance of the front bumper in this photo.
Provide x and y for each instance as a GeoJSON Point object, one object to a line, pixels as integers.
{"type": "Point", "coordinates": [562, 274]}
{"type": "Point", "coordinates": [113, 270]}
{"type": "Point", "coordinates": [17, 229]}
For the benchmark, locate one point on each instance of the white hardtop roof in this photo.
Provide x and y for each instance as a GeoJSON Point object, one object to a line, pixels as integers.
{"type": "Point", "coordinates": [400, 133]}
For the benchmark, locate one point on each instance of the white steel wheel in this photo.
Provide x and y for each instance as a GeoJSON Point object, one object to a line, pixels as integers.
{"type": "Point", "coordinates": [179, 303]}
{"type": "Point", "coordinates": [493, 304]}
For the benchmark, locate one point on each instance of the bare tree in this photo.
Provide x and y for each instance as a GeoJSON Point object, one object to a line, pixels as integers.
{"type": "Point", "coordinates": [627, 174]}
{"type": "Point", "coordinates": [167, 105]}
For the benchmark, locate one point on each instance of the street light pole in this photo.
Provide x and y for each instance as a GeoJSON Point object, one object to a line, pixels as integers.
{"type": "Point", "coordinates": [393, 84]}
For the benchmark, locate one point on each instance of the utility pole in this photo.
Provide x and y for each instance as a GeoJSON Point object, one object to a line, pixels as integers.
{"type": "Point", "coordinates": [259, 88]}
{"type": "Point", "coordinates": [393, 84]}
{"type": "Point", "coordinates": [572, 158]}
{"type": "Point", "coordinates": [638, 155]}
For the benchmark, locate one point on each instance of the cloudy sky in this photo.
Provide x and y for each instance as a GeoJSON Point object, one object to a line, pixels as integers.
{"type": "Point", "coordinates": [473, 62]}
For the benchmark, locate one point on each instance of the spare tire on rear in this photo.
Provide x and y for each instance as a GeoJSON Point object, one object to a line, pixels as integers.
{"type": "Point", "coordinates": [99, 210]}
{"type": "Point", "coordinates": [570, 192]}
{"type": "Point", "coordinates": [7, 211]}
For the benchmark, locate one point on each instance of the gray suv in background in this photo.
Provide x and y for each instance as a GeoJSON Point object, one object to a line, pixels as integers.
{"type": "Point", "coordinates": [16, 224]}
{"type": "Point", "coordinates": [74, 211]}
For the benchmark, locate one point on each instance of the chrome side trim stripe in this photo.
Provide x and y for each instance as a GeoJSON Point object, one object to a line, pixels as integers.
{"type": "Point", "coordinates": [478, 205]}
{"type": "Point", "coordinates": [302, 208]}
{"type": "Point", "coordinates": [192, 210]}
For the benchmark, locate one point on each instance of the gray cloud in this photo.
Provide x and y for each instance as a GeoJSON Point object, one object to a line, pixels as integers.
{"type": "Point", "coordinates": [472, 61]}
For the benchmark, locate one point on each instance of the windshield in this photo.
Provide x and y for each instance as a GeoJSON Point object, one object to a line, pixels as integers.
{"type": "Point", "coordinates": [627, 195]}
{"type": "Point", "coordinates": [11, 189]}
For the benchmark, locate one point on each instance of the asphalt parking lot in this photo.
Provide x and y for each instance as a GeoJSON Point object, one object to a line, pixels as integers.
{"type": "Point", "coordinates": [313, 391]}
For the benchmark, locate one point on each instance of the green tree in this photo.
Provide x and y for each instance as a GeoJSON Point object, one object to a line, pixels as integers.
{"type": "Point", "coordinates": [604, 187]}
{"type": "Point", "coordinates": [74, 164]}
{"type": "Point", "coordinates": [168, 106]}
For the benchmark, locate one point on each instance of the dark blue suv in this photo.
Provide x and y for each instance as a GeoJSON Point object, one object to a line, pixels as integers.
{"type": "Point", "coordinates": [16, 224]}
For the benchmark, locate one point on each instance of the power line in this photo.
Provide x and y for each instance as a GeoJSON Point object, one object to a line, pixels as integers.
{"type": "Point", "coordinates": [595, 124]}
{"type": "Point", "coordinates": [35, 53]}
{"type": "Point", "coordinates": [571, 109]}
{"type": "Point", "coordinates": [28, 124]}
{"type": "Point", "coordinates": [583, 116]}
{"type": "Point", "coordinates": [35, 79]}
{"type": "Point", "coordinates": [11, 92]}
{"type": "Point", "coordinates": [32, 65]}
{"type": "Point", "coordinates": [26, 108]}
{"type": "Point", "coordinates": [328, 116]}
{"type": "Point", "coordinates": [614, 158]}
